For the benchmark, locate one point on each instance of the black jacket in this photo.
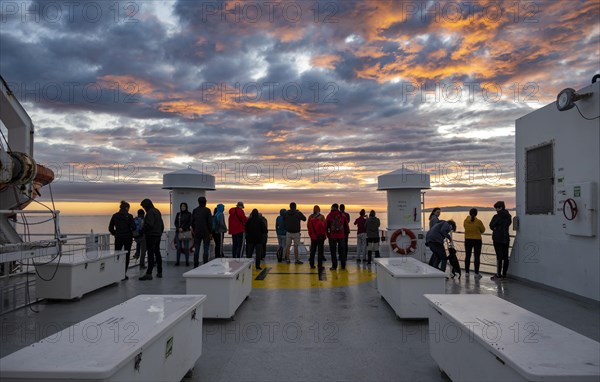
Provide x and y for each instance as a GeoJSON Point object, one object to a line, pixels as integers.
{"type": "Point", "coordinates": [372, 227]}
{"type": "Point", "coordinates": [202, 222]}
{"type": "Point", "coordinates": [292, 220]}
{"type": "Point", "coordinates": [122, 225]}
{"type": "Point", "coordinates": [153, 223]}
{"type": "Point", "coordinates": [499, 225]}
{"type": "Point", "coordinates": [255, 229]}
{"type": "Point", "coordinates": [183, 220]}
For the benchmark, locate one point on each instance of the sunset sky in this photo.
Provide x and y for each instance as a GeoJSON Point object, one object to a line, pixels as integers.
{"type": "Point", "coordinates": [303, 100]}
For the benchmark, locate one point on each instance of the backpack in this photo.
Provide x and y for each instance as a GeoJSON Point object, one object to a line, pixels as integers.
{"type": "Point", "coordinates": [215, 223]}
{"type": "Point", "coordinates": [337, 224]}
{"type": "Point", "coordinates": [138, 226]}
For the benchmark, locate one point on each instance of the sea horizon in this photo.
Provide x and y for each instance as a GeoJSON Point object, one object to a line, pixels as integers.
{"type": "Point", "coordinates": [98, 223]}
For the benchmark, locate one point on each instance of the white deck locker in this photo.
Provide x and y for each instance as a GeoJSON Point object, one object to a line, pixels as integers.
{"type": "Point", "coordinates": [226, 282]}
{"type": "Point", "coordinates": [147, 338]}
{"type": "Point", "coordinates": [485, 338]}
{"type": "Point", "coordinates": [71, 276]}
{"type": "Point", "coordinates": [402, 282]}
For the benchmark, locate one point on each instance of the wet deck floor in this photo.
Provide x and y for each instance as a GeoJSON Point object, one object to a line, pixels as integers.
{"type": "Point", "coordinates": [338, 333]}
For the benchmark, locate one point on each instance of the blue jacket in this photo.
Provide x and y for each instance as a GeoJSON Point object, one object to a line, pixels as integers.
{"type": "Point", "coordinates": [219, 225]}
{"type": "Point", "coordinates": [280, 223]}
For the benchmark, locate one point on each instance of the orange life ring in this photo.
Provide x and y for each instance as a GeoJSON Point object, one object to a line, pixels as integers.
{"type": "Point", "coordinates": [403, 232]}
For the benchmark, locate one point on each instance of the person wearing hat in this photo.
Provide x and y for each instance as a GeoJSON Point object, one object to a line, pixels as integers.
{"type": "Point", "coordinates": [237, 223]}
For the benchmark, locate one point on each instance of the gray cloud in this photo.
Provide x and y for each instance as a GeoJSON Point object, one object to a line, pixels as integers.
{"type": "Point", "coordinates": [162, 122]}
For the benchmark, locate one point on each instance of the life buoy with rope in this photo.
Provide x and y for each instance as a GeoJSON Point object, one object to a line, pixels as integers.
{"type": "Point", "coordinates": [572, 204]}
{"type": "Point", "coordinates": [404, 232]}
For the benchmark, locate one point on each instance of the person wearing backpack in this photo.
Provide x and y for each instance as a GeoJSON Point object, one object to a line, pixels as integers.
{"type": "Point", "coordinates": [140, 239]}
{"type": "Point", "coordinates": [219, 228]}
{"type": "Point", "coordinates": [122, 226]}
{"type": "Point", "coordinates": [372, 228]}
{"type": "Point", "coordinates": [336, 225]}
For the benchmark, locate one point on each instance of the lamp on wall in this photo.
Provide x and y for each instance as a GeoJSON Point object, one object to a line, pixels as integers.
{"type": "Point", "coordinates": [567, 97]}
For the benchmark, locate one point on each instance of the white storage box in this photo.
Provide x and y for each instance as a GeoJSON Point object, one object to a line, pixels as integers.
{"type": "Point", "coordinates": [485, 338]}
{"type": "Point", "coordinates": [226, 283]}
{"type": "Point", "coordinates": [79, 274]}
{"type": "Point", "coordinates": [402, 281]}
{"type": "Point", "coordinates": [147, 338]}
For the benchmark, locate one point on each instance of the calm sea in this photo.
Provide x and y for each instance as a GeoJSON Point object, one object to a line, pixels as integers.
{"type": "Point", "coordinates": [83, 224]}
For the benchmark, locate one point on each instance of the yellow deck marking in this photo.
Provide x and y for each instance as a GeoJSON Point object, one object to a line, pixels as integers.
{"type": "Point", "coordinates": [292, 276]}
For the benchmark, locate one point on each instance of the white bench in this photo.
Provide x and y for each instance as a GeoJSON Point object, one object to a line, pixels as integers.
{"type": "Point", "coordinates": [402, 281]}
{"type": "Point", "coordinates": [485, 338]}
{"type": "Point", "coordinates": [72, 276]}
{"type": "Point", "coordinates": [147, 338]}
{"type": "Point", "coordinates": [225, 281]}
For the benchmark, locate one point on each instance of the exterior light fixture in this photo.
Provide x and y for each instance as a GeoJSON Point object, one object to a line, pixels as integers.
{"type": "Point", "coordinates": [567, 97]}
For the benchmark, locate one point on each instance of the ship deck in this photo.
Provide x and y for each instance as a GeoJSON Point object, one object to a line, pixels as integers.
{"type": "Point", "coordinates": [330, 330]}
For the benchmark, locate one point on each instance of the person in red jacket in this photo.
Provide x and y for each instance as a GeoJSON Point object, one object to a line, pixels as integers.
{"type": "Point", "coordinates": [317, 233]}
{"type": "Point", "coordinates": [237, 223]}
{"type": "Point", "coordinates": [337, 226]}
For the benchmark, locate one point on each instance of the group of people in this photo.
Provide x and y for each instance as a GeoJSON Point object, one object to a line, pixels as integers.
{"type": "Point", "coordinates": [440, 231]}
{"type": "Point", "coordinates": [195, 229]}
{"type": "Point", "coordinates": [201, 225]}
{"type": "Point", "coordinates": [335, 227]}
{"type": "Point", "coordinates": [146, 229]}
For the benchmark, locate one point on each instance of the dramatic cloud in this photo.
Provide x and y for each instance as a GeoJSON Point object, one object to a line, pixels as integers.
{"type": "Point", "coordinates": [309, 100]}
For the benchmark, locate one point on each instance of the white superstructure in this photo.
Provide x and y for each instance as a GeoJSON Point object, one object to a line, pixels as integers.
{"type": "Point", "coordinates": [404, 212]}
{"type": "Point", "coordinates": [558, 162]}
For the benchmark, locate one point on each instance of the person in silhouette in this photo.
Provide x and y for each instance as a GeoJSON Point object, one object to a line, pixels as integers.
{"type": "Point", "coordinates": [122, 227]}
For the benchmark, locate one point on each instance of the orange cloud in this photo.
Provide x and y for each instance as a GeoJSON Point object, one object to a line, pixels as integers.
{"type": "Point", "coordinates": [127, 83]}
{"type": "Point", "coordinates": [186, 108]}
{"type": "Point", "coordinates": [326, 61]}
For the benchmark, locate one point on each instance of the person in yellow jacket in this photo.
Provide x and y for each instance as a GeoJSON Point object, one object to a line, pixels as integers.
{"type": "Point", "coordinates": [473, 230]}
